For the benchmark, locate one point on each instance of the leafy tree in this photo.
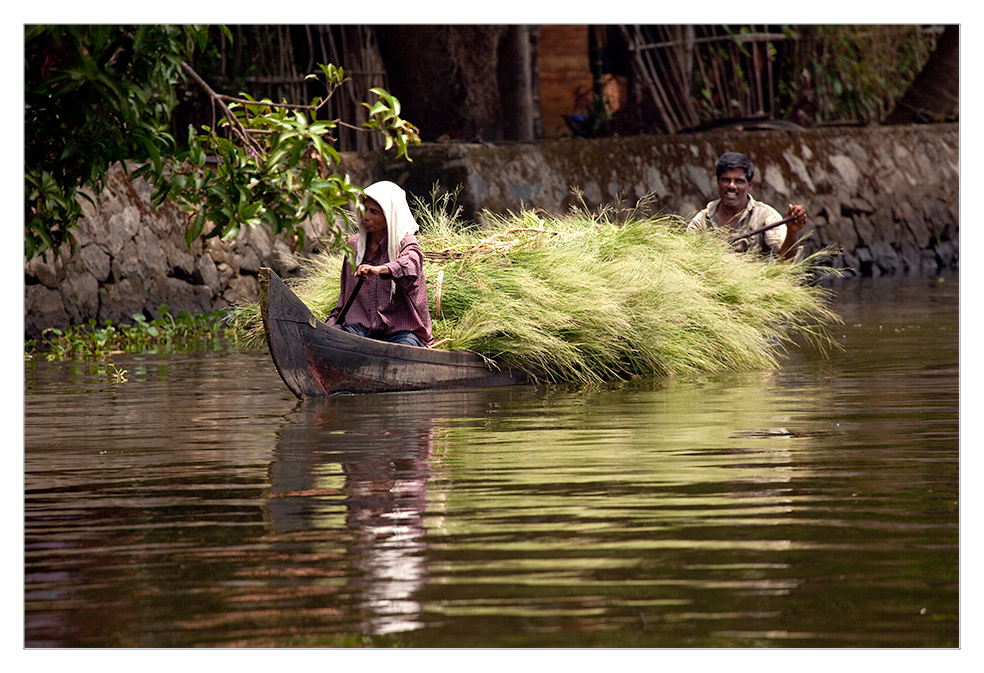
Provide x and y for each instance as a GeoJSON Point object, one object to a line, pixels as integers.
{"type": "Point", "coordinates": [94, 95]}
{"type": "Point", "coordinates": [98, 95]}
{"type": "Point", "coordinates": [852, 72]}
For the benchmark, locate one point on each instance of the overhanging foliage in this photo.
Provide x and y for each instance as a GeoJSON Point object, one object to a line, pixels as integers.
{"type": "Point", "coordinates": [98, 95]}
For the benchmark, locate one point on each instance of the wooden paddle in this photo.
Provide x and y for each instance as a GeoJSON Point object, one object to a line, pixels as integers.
{"type": "Point", "coordinates": [785, 220]}
{"type": "Point", "coordinates": [348, 304]}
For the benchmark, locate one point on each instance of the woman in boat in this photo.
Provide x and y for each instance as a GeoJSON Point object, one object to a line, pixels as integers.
{"type": "Point", "coordinates": [391, 304]}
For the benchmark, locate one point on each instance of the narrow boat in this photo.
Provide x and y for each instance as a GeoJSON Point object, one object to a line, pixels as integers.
{"type": "Point", "coordinates": [316, 360]}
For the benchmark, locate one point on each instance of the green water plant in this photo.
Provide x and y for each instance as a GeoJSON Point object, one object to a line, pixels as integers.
{"type": "Point", "coordinates": [591, 297]}
{"type": "Point", "coordinates": [166, 332]}
{"type": "Point", "coordinates": [117, 375]}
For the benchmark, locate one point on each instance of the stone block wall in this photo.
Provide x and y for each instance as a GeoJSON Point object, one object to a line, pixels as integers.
{"type": "Point", "coordinates": [131, 257]}
{"type": "Point", "coordinates": [886, 197]}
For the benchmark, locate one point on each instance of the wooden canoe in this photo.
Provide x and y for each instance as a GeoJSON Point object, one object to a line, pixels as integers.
{"type": "Point", "coordinates": [316, 360]}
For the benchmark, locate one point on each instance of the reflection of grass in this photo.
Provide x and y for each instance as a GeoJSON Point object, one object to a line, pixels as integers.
{"type": "Point", "coordinates": [587, 298]}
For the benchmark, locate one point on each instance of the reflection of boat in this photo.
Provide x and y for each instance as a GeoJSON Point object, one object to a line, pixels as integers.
{"type": "Point", "coordinates": [315, 360]}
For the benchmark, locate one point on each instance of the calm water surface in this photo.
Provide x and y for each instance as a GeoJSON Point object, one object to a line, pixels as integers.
{"type": "Point", "coordinates": [198, 504]}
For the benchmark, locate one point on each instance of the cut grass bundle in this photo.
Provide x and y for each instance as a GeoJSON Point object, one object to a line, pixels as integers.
{"type": "Point", "coordinates": [586, 298]}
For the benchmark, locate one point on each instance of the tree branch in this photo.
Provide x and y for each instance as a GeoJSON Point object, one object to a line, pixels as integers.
{"type": "Point", "coordinates": [234, 123]}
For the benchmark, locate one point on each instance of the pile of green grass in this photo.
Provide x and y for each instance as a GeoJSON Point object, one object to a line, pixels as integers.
{"type": "Point", "coordinates": [590, 298]}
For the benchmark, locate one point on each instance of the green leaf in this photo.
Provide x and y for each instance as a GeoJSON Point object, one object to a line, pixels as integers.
{"type": "Point", "coordinates": [111, 100]}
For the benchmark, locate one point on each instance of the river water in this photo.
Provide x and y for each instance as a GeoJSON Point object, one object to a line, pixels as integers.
{"type": "Point", "coordinates": [198, 504]}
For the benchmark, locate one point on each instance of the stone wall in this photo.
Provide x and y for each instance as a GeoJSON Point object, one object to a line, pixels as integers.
{"type": "Point", "coordinates": [887, 197]}
{"type": "Point", "coordinates": [131, 257]}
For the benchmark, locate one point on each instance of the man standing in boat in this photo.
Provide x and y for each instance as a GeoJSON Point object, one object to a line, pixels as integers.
{"type": "Point", "coordinates": [738, 213]}
{"type": "Point", "coordinates": [386, 294]}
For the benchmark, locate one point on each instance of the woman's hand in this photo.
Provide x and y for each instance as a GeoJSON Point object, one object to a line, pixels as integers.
{"type": "Point", "coordinates": [366, 270]}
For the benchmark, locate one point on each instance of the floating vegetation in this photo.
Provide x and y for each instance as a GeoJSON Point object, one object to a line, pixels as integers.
{"type": "Point", "coordinates": [184, 332]}
{"type": "Point", "coordinates": [117, 375]}
{"type": "Point", "coordinates": [594, 297]}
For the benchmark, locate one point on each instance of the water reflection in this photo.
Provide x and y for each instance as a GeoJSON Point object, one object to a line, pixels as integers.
{"type": "Point", "coordinates": [201, 505]}
{"type": "Point", "coordinates": [373, 458]}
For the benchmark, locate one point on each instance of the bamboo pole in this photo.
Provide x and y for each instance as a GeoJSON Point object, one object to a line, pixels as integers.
{"type": "Point", "coordinates": [646, 74]}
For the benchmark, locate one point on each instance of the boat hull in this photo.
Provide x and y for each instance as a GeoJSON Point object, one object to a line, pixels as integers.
{"type": "Point", "coordinates": [316, 360]}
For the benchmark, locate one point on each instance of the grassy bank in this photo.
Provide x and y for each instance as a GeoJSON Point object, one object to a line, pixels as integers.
{"type": "Point", "coordinates": [596, 297]}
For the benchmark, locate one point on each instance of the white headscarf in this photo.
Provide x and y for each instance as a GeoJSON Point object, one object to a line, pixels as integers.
{"type": "Point", "coordinates": [399, 220]}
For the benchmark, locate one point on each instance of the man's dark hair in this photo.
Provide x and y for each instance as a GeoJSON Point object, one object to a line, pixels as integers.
{"type": "Point", "coordinates": [730, 160]}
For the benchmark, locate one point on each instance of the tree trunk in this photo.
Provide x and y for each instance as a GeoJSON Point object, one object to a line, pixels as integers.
{"type": "Point", "coordinates": [516, 83]}
{"type": "Point", "coordinates": [934, 96]}
{"type": "Point", "coordinates": [446, 78]}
